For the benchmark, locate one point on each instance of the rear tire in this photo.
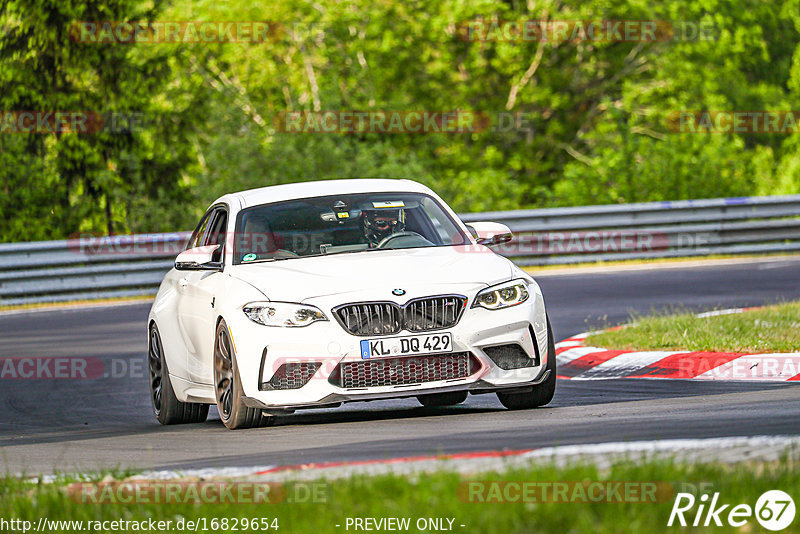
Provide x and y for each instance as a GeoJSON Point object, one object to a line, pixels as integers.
{"type": "Point", "coordinates": [166, 406]}
{"type": "Point", "coordinates": [543, 393]}
{"type": "Point", "coordinates": [228, 386]}
{"type": "Point", "coordinates": [442, 399]}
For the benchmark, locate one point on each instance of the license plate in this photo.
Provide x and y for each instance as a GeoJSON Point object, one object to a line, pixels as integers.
{"type": "Point", "coordinates": [406, 345]}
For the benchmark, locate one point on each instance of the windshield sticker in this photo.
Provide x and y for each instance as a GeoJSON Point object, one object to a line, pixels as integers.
{"type": "Point", "coordinates": [343, 215]}
{"type": "Point", "coordinates": [389, 204]}
{"type": "Point", "coordinates": [249, 257]}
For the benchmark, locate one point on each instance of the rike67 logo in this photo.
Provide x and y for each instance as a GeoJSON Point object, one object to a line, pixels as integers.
{"type": "Point", "coordinates": [774, 510]}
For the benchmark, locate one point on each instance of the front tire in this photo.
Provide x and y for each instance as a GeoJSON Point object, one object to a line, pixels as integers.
{"type": "Point", "coordinates": [543, 393]}
{"type": "Point", "coordinates": [166, 406]}
{"type": "Point", "coordinates": [228, 386]}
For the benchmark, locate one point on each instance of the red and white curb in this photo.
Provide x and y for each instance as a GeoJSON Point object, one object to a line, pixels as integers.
{"type": "Point", "coordinates": [603, 455]}
{"type": "Point", "coordinates": [577, 361]}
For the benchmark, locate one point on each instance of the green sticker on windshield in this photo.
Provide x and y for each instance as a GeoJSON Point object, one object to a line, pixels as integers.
{"type": "Point", "coordinates": [249, 257]}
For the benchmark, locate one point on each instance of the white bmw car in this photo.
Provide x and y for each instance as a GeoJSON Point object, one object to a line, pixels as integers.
{"type": "Point", "coordinates": [313, 294]}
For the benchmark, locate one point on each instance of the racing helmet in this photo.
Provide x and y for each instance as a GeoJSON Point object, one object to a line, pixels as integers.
{"type": "Point", "coordinates": [378, 224]}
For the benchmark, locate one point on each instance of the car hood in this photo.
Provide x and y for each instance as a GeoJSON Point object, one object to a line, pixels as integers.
{"type": "Point", "coordinates": [374, 274]}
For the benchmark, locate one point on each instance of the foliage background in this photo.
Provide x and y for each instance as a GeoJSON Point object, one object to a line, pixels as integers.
{"type": "Point", "coordinates": [598, 109]}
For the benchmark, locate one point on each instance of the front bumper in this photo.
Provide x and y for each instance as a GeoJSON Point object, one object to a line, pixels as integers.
{"type": "Point", "coordinates": [262, 350]}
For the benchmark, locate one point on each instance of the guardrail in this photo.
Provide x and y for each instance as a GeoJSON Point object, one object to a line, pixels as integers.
{"type": "Point", "coordinates": [123, 266]}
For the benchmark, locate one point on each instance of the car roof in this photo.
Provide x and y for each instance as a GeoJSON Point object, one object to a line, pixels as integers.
{"type": "Point", "coordinates": [321, 188]}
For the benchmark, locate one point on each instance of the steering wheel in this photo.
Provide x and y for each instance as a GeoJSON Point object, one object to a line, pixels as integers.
{"type": "Point", "coordinates": [386, 240]}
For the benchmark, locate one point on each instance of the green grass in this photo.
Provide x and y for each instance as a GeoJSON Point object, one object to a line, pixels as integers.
{"type": "Point", "coordinates": [769, 329]}
{"type": "Point", "coordinates": [438, 495]}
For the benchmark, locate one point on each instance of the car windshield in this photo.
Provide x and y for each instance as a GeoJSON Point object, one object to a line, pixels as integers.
{"type": "Point", "coordinates": [342, 224]}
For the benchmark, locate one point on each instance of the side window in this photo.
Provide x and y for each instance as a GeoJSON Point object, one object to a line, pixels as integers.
{"type": "Point", "coordinates": [197, 236]}
{"type": "Point", "coordinates": [217, 233]}
{"type": "Point", "coordinates": [449, 233]}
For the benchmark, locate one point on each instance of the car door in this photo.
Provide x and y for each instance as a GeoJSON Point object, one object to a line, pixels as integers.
{"type": "Point", "coordinates": [178, 280]}
{"type": "Point", "coordinates": [197, 302]}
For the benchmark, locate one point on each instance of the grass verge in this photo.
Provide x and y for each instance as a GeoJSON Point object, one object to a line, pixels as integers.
{"type": "Point", "coordinates": [769, 329]}
{"type": "Point", "coordinates": [74, 303]}
{"type": "Point", "coordinates": [445, 495]}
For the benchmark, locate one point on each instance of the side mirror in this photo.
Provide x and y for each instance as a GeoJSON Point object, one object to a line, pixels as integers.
{"type": "Point", "coordinates": [490, 233]}
{"type": "Point", "coordinates": [198, 259]}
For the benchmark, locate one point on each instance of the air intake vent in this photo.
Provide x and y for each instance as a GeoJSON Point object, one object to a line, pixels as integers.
{"type": "Point", "coordinates": [402, 371]}
{"type": "Point", "coordinates": [293, 375]}
{"type": "Point", "coordinates": [509, 356]}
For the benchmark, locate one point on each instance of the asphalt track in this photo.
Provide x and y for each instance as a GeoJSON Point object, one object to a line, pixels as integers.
{"type": "Point", "coordinates": [69, 425]}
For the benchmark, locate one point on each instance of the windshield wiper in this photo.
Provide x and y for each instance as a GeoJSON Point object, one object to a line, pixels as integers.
{"type": "Point", "coordinates": [264, 260]}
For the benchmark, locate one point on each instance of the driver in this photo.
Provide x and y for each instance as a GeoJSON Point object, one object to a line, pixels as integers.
{"type": "Point", "coordinates": [381, 223]}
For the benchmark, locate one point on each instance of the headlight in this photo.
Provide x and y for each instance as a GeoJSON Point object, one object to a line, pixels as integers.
{"type": "Point", "coordinates": [502, 296]}
{"type": "Point", "coordinates": [282, 313]}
